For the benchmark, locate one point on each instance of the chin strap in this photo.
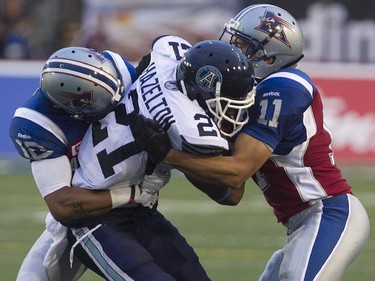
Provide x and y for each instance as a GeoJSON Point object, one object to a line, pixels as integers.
{"type": "Point", "coordinates": [285, 66]}
{"type": "Point", "coordinates": [293, 62]}
{"type": "Point", "coordinates": [183, 88]}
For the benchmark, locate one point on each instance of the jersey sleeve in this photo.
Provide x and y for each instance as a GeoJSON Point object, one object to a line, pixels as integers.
{"type": "Point", "coordinates": [32, 140]}
{"type": "Point", "coordinates": [276, 118]}
{"type": "Point", "coordinates": [126, 70]}
{"type": "Point", "coordinates": [170, 46]}
{"type": "Point", "coordinates": [58, 167]}
{"type": "Point", "coordinates": [194, 131]}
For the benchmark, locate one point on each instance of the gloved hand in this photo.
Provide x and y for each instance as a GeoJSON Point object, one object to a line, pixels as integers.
{"type": "Point", "coordinates": [157, 180]}
{"type": "Point", "coordinates": [152, 184]}
{"type": "Point", "coordinates": [149, 136]}
{"type": "Point", "coordinates": [147, 199]}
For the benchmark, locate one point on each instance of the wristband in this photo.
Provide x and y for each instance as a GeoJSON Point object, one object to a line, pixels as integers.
{"type": "Point", "coordinates": [124, 195]}
{"type": "Point", "coordinates": [225, 196]}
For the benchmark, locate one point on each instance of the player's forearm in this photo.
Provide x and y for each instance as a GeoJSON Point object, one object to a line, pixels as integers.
{"type": "Point", "coordinates": [214, 169]}
{"type": "Point", "coordinates": [70, 203]}
{"type": "Point", "coordinates": [223, 195]}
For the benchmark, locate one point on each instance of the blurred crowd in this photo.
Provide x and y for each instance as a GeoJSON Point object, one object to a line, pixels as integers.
{"type": "Point", "coordinates": [32, 29]}
{"type": "Point", "coordinates": [16, 25]}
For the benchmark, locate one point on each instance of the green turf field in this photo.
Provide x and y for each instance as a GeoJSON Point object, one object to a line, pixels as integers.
{"type": "Point", "coordinates": [233, 243]}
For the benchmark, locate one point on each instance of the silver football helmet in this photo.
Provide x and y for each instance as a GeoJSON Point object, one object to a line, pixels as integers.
{"type": "Point", "coordinates": [82, 82]}
{"type": "Point", "coordinates": [270, 37]}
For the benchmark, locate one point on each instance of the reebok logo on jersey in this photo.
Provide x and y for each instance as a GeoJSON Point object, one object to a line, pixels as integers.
{"type": "Point", "coordinates": [271, 94]}
{"type": "Point", "coordinates": [23, 136]}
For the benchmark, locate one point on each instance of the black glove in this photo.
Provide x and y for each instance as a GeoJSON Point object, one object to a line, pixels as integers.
{"type": "Point", "coordinates": [149, 136]}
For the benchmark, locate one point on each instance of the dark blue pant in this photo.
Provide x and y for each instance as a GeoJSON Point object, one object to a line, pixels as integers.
{"type": "Point", "coordinates": [137, 245]}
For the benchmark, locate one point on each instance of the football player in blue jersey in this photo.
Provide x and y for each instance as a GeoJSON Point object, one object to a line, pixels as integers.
{"type": "Point", "coordinates": [77, 86]}
{"type": "Point", "coordinates": [286, 148]}
{"type": "Point", "coordinates": [135, 242]}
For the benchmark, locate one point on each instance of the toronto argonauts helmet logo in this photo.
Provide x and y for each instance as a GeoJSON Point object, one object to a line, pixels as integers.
{"type": "Point", "coordinates": [207, 77]}
{"type": "Point", "coordinates": [269, 22]}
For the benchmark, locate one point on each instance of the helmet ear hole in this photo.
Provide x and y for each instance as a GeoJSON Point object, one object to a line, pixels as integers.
{"type": "Point", "coordinates": [270, 60]}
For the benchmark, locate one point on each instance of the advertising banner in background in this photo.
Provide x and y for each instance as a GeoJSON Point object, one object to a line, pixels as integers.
{"type": "Point", "coordinates": [348, 93]}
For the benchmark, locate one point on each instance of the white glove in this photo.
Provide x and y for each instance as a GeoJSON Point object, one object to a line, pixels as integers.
{"type": "Point", "coordinates": [157, 180]}
{"type": "Point", "coordinates": [148, 199]}
{"type": "Point", "coordinates": [152, 184]}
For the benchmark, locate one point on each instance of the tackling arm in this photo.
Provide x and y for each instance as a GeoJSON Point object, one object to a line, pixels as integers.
{"type": "Point", "coordinates": [70, 204]}
{"type": "Point", "coordinates": [249, 154]}
{"type": "Point", "coordinates": [67, 203]}
{"type": "Point", "coordinates": [221, 194]}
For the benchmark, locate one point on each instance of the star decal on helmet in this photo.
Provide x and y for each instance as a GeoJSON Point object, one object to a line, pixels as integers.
{"type": "Point", "coordinates": [269, 23]}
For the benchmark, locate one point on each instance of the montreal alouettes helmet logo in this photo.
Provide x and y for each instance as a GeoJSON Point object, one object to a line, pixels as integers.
{"type": "Point", "coordinates": [269, 21]}
{"type": "Point", "coordinates": [82, 100]}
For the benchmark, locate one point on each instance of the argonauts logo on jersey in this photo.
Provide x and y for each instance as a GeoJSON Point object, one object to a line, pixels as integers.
{"type": "Point", "coordinates": [207, 78]}
{"type": "Point", "coordinates": [171, 85]}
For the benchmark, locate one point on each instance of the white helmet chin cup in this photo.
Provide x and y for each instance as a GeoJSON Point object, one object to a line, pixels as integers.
{"type": "Point", "coordinates": [226, 111]}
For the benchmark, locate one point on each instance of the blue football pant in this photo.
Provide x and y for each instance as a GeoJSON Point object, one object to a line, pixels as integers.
{"type": "Point", "coordinates": [146, 248]}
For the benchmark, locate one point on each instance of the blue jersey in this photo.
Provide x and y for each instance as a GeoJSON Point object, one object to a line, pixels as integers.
{"type": "Point", "coordinates": [288, 117]}
{"type": "Point", "coordinates": [277, 118]}
{"type": "Point", "coordinates": [40, 130]}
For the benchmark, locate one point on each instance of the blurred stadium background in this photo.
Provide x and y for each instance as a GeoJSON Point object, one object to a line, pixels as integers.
{"type": "Point", "coordinates": [233, 243]}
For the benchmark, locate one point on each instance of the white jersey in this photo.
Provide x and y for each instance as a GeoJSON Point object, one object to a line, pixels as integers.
{"type": "Point", "coordinates": [108, 155]}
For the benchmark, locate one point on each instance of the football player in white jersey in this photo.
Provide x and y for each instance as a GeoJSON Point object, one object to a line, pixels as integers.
{"type": "Point", "coordinates": [78, 85]}
{"type": "Point", "coordinates": [134, 242]}
{"type": "Point", "coordinates": [286, 148]}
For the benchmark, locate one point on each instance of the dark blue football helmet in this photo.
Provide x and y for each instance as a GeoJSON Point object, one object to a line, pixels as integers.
{"type": "Point", "coordinates": [219, 76]}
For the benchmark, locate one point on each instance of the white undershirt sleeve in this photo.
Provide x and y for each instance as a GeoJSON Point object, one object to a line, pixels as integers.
{"type": "Point", "coordinates": [51, 174]}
